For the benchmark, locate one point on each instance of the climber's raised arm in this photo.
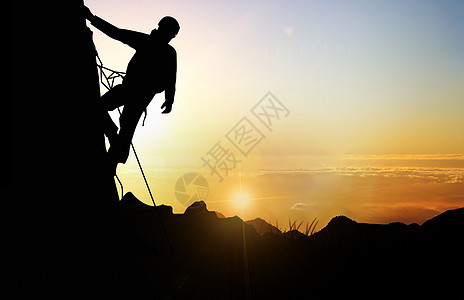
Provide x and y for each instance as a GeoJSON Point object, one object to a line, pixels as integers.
{"type": "Point", "coordinates": [131, 38]}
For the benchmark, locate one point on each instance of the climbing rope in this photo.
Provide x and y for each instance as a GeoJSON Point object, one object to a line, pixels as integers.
{"type": "Point", "coordinates": [108, 82]}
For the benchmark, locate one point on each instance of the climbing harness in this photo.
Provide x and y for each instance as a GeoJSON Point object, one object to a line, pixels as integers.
{"type": "Point", "coordinates": [108, 82]}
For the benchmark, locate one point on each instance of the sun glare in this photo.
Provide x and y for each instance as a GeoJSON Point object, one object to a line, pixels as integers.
{"type": "Point", "coordinates": [242, 199]}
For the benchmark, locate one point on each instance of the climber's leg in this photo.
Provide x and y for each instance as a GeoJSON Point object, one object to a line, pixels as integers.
{"type": "Point", "coordinates": [109, 128]}
{"type": "Point", "coordinates": [115, 97]}
{"type": "Point", "coordinates": [109, 101]}
{"type": "Point", "coordinates": [119, 151]}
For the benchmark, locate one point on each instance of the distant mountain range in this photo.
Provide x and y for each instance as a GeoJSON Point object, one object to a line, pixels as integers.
{"type": "Point", "coordinates": [255, 259]}
{"type": "Point", "coordinates": [202, 254]}
{"type": "Point", "coordinates": [262, 227]}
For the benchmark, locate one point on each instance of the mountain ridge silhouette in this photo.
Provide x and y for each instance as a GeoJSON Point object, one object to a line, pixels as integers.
{"type": "Point", "coordinates": [378, 254]}
{"type": "Point", "coordinates": [262, 227]}
{"type": "Point", "coordinates": [228, 258]}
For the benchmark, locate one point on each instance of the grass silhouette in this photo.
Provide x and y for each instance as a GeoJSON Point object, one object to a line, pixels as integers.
{"type": "Point", "coordinates": [294, 225]}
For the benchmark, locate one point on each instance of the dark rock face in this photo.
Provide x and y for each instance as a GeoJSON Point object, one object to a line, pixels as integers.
{"type": "Point", "coordinates": [67, 199]}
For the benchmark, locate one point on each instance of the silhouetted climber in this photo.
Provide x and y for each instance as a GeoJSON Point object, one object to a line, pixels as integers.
{"type": "Point", "coordinates": [151, 70]}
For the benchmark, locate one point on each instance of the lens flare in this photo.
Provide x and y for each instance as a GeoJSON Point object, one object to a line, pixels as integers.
{"type": "Point", "coordinates": [242, 199]}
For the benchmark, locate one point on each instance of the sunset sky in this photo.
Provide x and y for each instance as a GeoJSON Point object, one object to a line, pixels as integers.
{"type": "Point", "coordinates": [368, 115]}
